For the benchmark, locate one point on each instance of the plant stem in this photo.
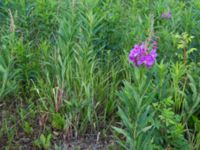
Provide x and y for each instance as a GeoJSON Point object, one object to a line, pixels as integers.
{"type": "Point", "coordinates": [185, 56]}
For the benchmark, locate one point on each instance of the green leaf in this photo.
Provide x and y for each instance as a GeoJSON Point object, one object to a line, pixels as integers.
{"type": "Point", "coordinates": [147, 128]}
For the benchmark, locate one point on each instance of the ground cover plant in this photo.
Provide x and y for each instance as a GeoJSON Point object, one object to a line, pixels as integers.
{"type": "Point", "coordinates": [100, 74]}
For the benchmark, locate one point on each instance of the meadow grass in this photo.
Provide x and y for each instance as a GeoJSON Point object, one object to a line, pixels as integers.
{"type": "Point", "coordinates": [65, 73]}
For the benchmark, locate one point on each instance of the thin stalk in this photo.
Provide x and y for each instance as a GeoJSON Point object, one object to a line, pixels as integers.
{"type": "Point", "coordinates": [185, 57]}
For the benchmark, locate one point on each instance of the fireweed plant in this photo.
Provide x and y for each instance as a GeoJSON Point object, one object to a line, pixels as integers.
{"type": "Point", "coordinates": [150, 124]}
{"type": "Point", "coordinates": [152, 115]}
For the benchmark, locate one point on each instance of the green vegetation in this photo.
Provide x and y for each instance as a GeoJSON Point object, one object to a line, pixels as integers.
{"type": "Point", "coordinates": [65, 73]}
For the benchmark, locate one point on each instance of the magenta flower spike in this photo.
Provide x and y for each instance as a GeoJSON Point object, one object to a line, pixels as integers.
{"type": "Point", "coordinates": [140, 55]}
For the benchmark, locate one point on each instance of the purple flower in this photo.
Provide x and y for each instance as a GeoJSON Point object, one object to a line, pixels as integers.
{"type": "Point", "coordinates": [153, 53]}
{"type": "Point", "coordinates": [141, 60]}
{"type": "Point", "coordinates": [140, 55]}
{"type": "Point", "coordinates": [163, 15]}
{"type": "Point", "coordinates": [149, 60]}
{"type": "Point", "coordinates": [132, 58]}
{"type": "Point", "coordinates": [167, 15]}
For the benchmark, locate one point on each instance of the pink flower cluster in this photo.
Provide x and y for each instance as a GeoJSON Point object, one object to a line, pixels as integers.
{"type": "Point", "coordinates": [140, 55]}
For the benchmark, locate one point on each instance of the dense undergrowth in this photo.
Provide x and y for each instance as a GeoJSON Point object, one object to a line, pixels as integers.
{"type": "Point", "coordinates": [65, 73]}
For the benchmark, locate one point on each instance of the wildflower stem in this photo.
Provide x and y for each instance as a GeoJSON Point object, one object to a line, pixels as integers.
{"type": "Point", "coordinates": [151, 32]}
{"type": "Point", "coordinates": [185, 56]}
